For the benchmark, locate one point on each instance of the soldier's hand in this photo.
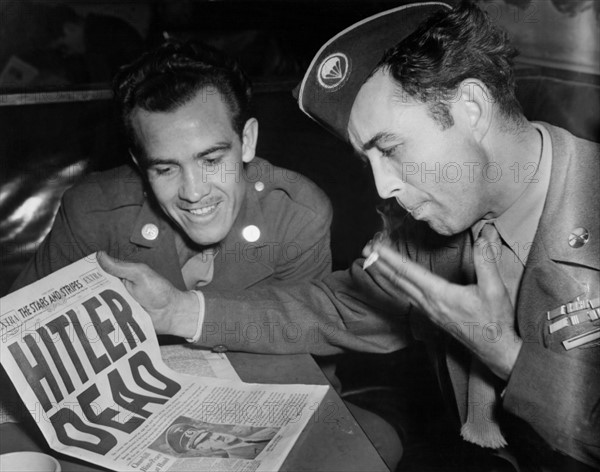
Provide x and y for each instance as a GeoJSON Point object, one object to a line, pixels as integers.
{"type": "Point", "coordinates": [481, 316]}
{"type": "Point", "coordinates": [172, 311]}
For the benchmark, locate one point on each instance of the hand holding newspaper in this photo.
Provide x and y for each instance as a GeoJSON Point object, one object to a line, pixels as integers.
{"type": "Point", "coordinates": [84, 356]}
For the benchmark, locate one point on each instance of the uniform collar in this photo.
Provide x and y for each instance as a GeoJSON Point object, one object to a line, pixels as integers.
{"type": "Point", "coordinates": [150, 225]}
{"type": "Point", "coordinates": [241, 263]}
{"type": "Point", "coordinates": [154, 232]}
{"type": "Point", "coordinates": [571, 197]}
{"type": "Point", "coordinates": [250, 214]}
{"type": "Point", "coordinates": [518, 224]}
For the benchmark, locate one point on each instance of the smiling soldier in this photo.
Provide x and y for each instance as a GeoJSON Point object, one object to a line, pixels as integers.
{"type": "Point", "coordinates": [199, 208]}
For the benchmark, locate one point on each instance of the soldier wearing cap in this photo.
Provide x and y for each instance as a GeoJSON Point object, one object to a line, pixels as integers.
{"type": "Point", "coordinates": [495, 270]}
{"type": "Point", "coordinates": [198, 208]}
{"type": "Point", "coordinates": [188, 440]}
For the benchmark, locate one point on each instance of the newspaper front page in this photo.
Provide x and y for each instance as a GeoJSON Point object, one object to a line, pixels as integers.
{"type": "Point", "coordinates": [85, 359]}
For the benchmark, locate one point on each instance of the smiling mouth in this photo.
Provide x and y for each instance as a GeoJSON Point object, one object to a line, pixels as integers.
{"type": "Point", "coordinates": [203, 211]}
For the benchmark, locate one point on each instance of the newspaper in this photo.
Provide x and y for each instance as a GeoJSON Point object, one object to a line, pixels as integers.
{"type": "Point", "coordinates": [85, 359]}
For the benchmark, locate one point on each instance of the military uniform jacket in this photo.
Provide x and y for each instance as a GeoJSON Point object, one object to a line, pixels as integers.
{"type": "Point", "coordinates": [552, 399]}
{"type": "Point", "coordinates": [111, 211]}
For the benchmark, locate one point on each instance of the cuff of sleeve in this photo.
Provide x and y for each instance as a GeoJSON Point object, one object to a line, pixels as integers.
{"type": "Point", "coordinates": [201, 310]}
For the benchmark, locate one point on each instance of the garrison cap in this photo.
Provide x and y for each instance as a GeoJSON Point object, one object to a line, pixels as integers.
{"type": "Point", "coordinates": [182, 436]}
{"type": "Point", "coordinates": [337, 72]}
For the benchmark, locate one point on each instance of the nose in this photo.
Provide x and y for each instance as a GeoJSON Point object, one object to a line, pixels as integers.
{"type": "Point", "coordinates": [387, 181]}
{"type": "Point", "coordinates": [194, 186]}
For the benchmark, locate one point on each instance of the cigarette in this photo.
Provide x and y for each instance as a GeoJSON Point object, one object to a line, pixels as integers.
{"type": "Point", "coordinates": [369, 261]}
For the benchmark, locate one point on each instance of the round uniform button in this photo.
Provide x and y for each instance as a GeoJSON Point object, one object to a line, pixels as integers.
{"type": "Point", "coordinates": [259, 186]}
{"type": "Point", "coordinates": [251, 233]}
{"type": "Point", "coordinates": [579, 237]}
{"type": "Point", "coordinates": [219, 349]}
{"type": "Point", "coordinates": [150, 232]}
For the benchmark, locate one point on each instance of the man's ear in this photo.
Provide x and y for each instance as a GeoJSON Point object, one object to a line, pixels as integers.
{"type": "Point", "coordinates": [478, 106]}
{"type": "Point", "coordinates": [249, 140]}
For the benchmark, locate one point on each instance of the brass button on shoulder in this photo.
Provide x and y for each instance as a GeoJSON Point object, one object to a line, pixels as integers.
{"type": "Point", "coordinates": [579, 237]}
{"type": "Point", "coordinates": [259, 186]}
{"type": "Point", "coordinates": [150, 232]}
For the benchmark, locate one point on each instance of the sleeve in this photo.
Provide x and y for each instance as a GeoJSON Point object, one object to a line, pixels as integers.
{"type": "Point", "coordinates": [350, 309]}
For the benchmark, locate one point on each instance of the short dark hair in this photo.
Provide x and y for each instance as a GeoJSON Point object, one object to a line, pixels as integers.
{"type": "Point", "coordinates": [448, 48]}
{"type": "Point", "coordinates": [168, 77]}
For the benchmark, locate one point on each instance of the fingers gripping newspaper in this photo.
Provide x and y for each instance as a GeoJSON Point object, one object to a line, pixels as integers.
{"type": "Point", "coordinates": [84, 356]}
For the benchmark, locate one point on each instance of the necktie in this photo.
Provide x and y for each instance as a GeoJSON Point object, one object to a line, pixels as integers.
{"type": "Point", "coordinates": [198, 270]}
{"type": "Point", "coordinates": [481, 426]}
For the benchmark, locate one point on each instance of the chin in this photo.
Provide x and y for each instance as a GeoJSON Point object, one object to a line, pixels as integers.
{"type": "Point", "coordinates": [441, 228]}
{"type": "Point", "coordinates": [207, 234]}
{"type": "Point", "coordinates": [207, 239]}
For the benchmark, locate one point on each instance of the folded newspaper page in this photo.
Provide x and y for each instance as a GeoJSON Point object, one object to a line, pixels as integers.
{"type": "Point", "coordinates": [85, 359]}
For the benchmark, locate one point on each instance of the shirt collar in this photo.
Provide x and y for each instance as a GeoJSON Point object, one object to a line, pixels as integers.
{"type": "Point", "coordinates": [518, 224]}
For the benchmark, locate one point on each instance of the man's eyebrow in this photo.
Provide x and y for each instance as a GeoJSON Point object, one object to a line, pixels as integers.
{"type": "Point", "coordinates": [152, 161]}
{"type": "Point", "coordinates": [380, 138]}
{"type": "Point", "coordinates": [224, 146]}
{"type": "Point", "coordinates": [158, 161]}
